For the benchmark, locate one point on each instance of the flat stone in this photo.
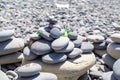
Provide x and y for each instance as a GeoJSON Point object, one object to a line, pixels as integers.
{"type": "Point", "coordinates": [60, 43]}
{"type": "Point", "coordinates": [54, 58]}
{"type": "Point", "coordinates": [3, 76]}
{"type": "Point", "coordinates": [46, 35]}
{"type": "Point", "coordinates": [28, 55]}
{"type": "Point", "coordinates": [96, 73]}
{"type": "Point", "coordinates": [41, 76]}
{"type": "Point", "coordinates": [116, 37]}
{"type": "Point", "coordinates": [68, 48]}
{"type": "Point", "coordinates": [11, 46]}
{"type": "Point", "coordinates": [28, 70]}
{"type": "Point", "coordinates": [108, 76]}
{"type": "Point", "coordinates": [41, 47]}
{"type": "Point", "coordinates": [55, 33]}
{"type": "Point", "coordinates": [87, 47]}
{"type": "Point", "coordinates": [73, 35]}
{"type": "Point", "coordinates": [77, 43]}
{"type": "Point", "coordinates": [6, 34]}
{"type": "Point", "coordinates": [113, 50]}
{"type": "Point", "coordinates": [35, 36]}
{"type": "Point", "coordinates": [108, 60]}
{"type": "Point", "coordinates": [95, 38]}
{"type": "Point", "coordinates": [76, 52]}
{"type": "Point", "coordinates": [12, 58]}
{"type": "Point", "coordinates": [100, 52]}
{"type": "Point", "coordinates": [116, 69]}
{"type": "Point", "coordinates": [71, 69]}
{"type": "Point", "coordinates": [101, 45]}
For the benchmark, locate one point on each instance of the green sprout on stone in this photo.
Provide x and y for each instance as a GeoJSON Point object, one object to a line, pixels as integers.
{"type": "Point", "coordinates": [38, 33]}
{"type": "Point", "coordinates": [67, 32]}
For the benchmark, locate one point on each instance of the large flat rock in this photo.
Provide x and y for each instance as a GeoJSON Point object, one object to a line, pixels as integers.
{"type": "Point", "coordinates": [71, 69]}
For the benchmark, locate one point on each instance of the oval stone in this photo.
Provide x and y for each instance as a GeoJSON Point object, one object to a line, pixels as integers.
{"type": "Point", "coordinates": [73, 35]}
{"type": "Point", "coordinates": [6, 34]}
{"type": "Point", "coordinates": [77, 43]}
{"type": "Point", "coordinates": [95, 38]}
{"type": "Point", "coordinates": [69, 48]}
{"type": "Point", "coordinates": [28, 53]}
{"type": "Point", "coordinates": [41, 47]}
{"type": "Point", "coordinates": [28, 70]}
{"type": "Point", "coordinates": [54, 58]}
{"type": "Point", "coordinates": [113, 50]}
{"type": "Point", "coordinates": [76, 52]}
{"type": "Point", "coordinates": [11, 46]}
{"type": "Point", "coordinates": [60, 43]}
{"type": "Point", "coordinates": [41, 76]}
{"type": "Point", "coordinates": [116, 69]}
{"type": "Point", "coordinates": [55, 33]}
{"type": "Point", "coordinates": [116, 37]}
{"type": "Point", "coordinates": [87, 47]}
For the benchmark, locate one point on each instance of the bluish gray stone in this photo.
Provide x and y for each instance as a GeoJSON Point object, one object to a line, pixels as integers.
{"type": "Point", "coordinates": [101, 45]}
{"type": "Point", "coordinates": [46, 35]}
{"type": "Point", "coordinates": [77, 43]}
{"type": "Point", "coordinates": [54, 58]}
{"type": "Point", "coordinates": [68, 48]}
{"type": "Point", "coordinates": [55, 33]}
{"type": "Point", "coordinates": [11, 46]}
{"type": "Point", "coordinates": [108, 76]}
{"type": "Point", "coordinates": [108, 60]}
{"type": "Point", "coordinates": [116, 69]}
{"type": "Point", "coordinates": [41, 47]}
{"type": "Point", "coordinates": [60, 43]}
{"type": "Point", "coordinates": [73, 35]}
{"type": "Point", "coordinates": [6, 34]}
{"type": "Point", "coordinates": [41, 76]}
{"type": "Point", "coordinates": [76, 52]}
{"type": "Point", "coordinates": [28, 70]}
{"type": "Point", "coordinates": [3, 76]}
{"type": "Point", "coordinates": [28, 55]}
{"type": "Point", "coordinates": [87, 47]}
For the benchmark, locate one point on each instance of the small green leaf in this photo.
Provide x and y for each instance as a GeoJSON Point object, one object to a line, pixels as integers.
{"type": "Point", "coordinates": [38, 33]}
{"type": "Point", "coordinates": [68, 31]}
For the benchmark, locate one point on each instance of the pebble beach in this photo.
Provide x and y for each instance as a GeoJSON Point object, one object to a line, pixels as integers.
{"type": "Point", "coordinates": [48, 40]}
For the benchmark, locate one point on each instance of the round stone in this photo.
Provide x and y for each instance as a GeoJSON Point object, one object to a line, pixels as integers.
{"type": "Point", "coordinates": [95, 38]}
{"type": "Point", "coordinates": [76, 52]}
{"type": "Point", "coordinates": [108, 76]}
{"type": "Point", "coordinates": [100, 46]}
{"type": "Point", "coordinates": [28, 53]}
{"type": "Point", "coordinates": [87, 47]}
{"type": "Point", "coordinates": [54, 58]}
{"type": "Point", "coordinates": [116, 37]}
{"type": "Point", "coordinates": [73, 35]}
{"type": "Point", "coordinates": [109, 61]}
{"type": "Point", "coordinates": [41, 76]}
{"type": "Point", "coordinates": [116, 69]}
{"type": "Point", "coordinates": [60, 43]}
{"type": "Point", "coordinates": [3, 76]}
{"type": "Point", "coordinates": [46, 35]}
{"type": "Point", "coordinates": [55, 33]}
{"type": "Point", "coordinates": [113, 50]}
{"type": "Point", "coordinates": [6, 34]}
{"type": "Point", "coordinates": [28, 70]}
{"type": "Point", "coordinates": [10, 46]}
{"type": "Point", "coordinates": [68, 48]}
{"type": "Point", "coordinates": [41, 47]}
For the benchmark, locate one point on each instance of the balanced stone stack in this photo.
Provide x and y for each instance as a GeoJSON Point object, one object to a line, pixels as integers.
{"type": "Point", "coordinates": [55, 48]}
{"type": "Point", "coordinates": [9, 47]}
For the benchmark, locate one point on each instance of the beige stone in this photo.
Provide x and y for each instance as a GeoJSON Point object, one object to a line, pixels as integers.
{"type": "Point", "coordinates": [71, 69]}
{"type": "Point", "coordinates": [12, 58]}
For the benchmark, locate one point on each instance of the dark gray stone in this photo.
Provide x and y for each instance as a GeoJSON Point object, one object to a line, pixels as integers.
{"type": "Point", "coordinates": [87, 47]}
{"type": "Point", "coordinates": [28, 70]}
{"type": "Point", "coordinates": [84, 77]}
{"type": "Point", "coordinates": [41, 47]}
{"type": "Point", "coordinates": [55, 33]}
{"type": "Point", "coordinates": [54, 58]}
{"type": "Point", "coordinates": [108, 60]}
{"type": "Point", "coordinates": [41, 76]}
{"type": "Point", "coordinates": [116, 69]}
{"type": "Point", "coordinates": [101, 45]}
{"type": "Point", "coordinates": [73, 35]}
{"type": "Point", "coordinates": [76, 52]}
{"type": "Point", "coordinates": [28, 55]}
